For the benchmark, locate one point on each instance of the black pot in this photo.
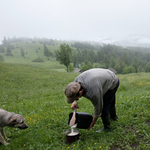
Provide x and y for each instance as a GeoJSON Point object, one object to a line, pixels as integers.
{"type": "Point", "coordinates": [71, 139]}
{"type": "Point", "coordinates": [83, 120]}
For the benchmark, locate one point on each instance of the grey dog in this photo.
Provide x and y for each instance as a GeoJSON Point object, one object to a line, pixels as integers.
{"type": "Point", "coordinates": [10, 119]}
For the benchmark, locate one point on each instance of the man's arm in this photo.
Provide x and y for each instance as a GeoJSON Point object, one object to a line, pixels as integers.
{"type": "Point", "coordinates": [93, 122]}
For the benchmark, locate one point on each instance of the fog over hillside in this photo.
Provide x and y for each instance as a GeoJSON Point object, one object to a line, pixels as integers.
{"type": "Point", "coordinates": [121, 22]}
{"type": "Point", "coordinates": [133, 40]}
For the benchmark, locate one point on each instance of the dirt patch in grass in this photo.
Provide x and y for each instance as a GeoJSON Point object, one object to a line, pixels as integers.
{"type": "Point", "coordinates": [114, 147]}
{"type": "Point", "coordinates": [135, 144]}
{"type": "Point", "coordinates": [148, 123]}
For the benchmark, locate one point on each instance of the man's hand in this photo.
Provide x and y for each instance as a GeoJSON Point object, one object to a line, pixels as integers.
{"type": "Point", "coordinates": [91, 125]}
{"type": "Point", "coordinates": [93, 122]}
{"type": "Point", "coordinates": [74, 105]}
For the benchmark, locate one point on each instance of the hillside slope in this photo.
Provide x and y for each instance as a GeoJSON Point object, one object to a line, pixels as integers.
{"type": "Point", "coordinates": [38, 94]}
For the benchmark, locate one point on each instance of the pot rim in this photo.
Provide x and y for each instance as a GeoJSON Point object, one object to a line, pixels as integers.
{"type": "Point", "coordinates": [68, 131]}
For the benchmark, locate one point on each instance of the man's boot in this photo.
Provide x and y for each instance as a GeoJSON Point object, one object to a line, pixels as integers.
{"type": "Point", "coordinates": [112, 112]}
{"type": "Point", "coordinates": [106, 123]}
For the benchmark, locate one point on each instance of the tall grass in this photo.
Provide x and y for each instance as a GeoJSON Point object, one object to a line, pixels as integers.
{"type": "Point", "coordinates": [38, 95]}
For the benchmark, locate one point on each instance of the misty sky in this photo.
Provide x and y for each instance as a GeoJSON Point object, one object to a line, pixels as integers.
{"type": "Point", "coordinates": [74, 19]}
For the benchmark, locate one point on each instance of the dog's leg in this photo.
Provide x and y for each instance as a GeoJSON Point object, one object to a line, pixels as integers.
{"type": "Point", "coordinates": [1, 137]}
{"type": "Point", "coordinates": [3, 133]}
{"type": "Point", "coordinates": [2, 140]}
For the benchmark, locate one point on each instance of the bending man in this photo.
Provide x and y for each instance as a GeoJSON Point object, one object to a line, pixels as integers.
{"type": "Point", "coordinates": [99, 86]}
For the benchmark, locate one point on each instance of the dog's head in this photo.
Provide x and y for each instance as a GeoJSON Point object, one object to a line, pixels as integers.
{"type": "Point", "coordinates": [17, 121]}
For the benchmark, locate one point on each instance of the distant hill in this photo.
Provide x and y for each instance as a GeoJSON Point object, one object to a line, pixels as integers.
{"type": "Point", "coordinates": [40, 52]}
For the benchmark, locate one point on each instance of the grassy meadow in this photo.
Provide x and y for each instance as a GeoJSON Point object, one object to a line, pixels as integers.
{"type": "Point", "coordinates": [38, 94]}
{"type": "Point", "coordinates": [33, 51]}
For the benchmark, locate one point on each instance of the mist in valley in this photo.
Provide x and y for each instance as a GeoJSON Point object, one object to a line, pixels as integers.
{"type": "Point", "coordinates": [117, 22]}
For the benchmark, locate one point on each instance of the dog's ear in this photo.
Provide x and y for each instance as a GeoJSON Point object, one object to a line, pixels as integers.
{"type": "Point", "coordinates": [12, 122]}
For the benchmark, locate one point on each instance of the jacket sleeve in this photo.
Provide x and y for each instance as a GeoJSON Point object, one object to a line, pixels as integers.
{"type": "Point", "coordinates": [97, 101]}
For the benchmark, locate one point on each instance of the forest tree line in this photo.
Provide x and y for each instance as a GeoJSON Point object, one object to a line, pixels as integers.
{"type": "Point", "coordinates": [86, 55]}
{"type": "Point", "coordinates": [123, 60]}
